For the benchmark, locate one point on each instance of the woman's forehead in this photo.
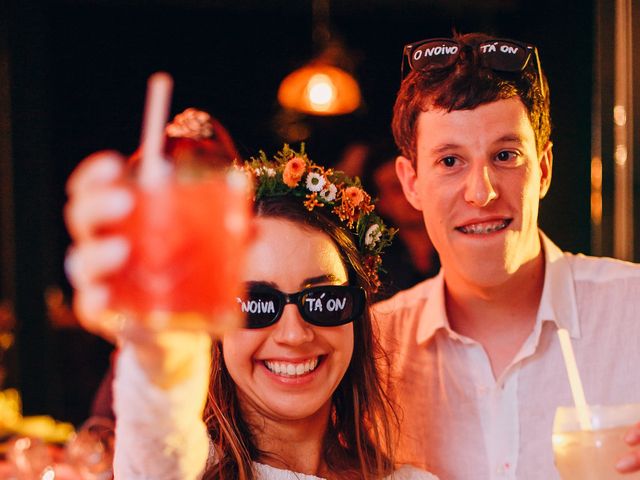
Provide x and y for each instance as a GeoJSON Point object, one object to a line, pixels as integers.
{"type": "Point", "coordinates": [287, 253]}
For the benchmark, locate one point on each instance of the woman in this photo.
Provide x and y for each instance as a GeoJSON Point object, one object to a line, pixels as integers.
{"type": "Point", "coordinates": [296, 393]}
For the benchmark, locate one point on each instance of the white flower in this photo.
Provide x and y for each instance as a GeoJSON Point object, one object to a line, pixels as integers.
{"type": "Point", "coordinates": [315, 182]}
{"type": "Point", "coordinates": [270, 172]}
{"type": "Point", "coordinates": [373, 235]}
{"type": "Point", "coordinates": [329, 193]}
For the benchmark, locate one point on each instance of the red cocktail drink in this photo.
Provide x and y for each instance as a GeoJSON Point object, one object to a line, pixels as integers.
{"type": "Point", "coordinates": [188, 238]}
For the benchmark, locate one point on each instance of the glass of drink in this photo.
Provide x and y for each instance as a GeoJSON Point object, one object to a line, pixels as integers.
{"type": "Point", "coordinates": [30, 457]}
{"type": "Point", "coordinates": [188, 234]}
{"type": "Point", "coordinates": [90, 449]}
{"type": "Point", "coordinates": [187, 237]}
{"type": "Point", "coordinates": [592, 454]}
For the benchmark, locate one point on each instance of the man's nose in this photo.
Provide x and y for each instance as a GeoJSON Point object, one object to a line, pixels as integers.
{"type": "Point", "coordinates": [291, 329]}
{"type": "Point", "coordinates": [480, 189]}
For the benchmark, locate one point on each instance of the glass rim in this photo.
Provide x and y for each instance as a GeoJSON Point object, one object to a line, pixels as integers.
{"type": "Point", "coordinates": [601, 416]}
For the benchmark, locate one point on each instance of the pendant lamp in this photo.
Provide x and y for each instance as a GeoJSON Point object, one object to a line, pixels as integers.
{"type": "Point", "coordinates": [323, 86]}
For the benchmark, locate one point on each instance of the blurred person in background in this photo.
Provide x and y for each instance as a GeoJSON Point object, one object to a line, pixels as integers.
{"type": "Point", "coordinates": [411, 258]}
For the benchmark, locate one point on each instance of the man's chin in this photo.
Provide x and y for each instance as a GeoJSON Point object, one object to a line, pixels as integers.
{"type": "Point", "coordinates": [484, 270]}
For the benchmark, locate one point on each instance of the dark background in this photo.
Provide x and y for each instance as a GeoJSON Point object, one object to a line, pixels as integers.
{"type": "Point", "coordinates": [72, 81]}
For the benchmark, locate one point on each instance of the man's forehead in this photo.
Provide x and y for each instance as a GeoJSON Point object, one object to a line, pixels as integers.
{"type": "Point", "coordinates": [489, 121]}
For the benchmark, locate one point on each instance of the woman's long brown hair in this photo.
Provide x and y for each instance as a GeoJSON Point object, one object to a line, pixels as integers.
{"type": "Point", "coordinates": [358, 440]}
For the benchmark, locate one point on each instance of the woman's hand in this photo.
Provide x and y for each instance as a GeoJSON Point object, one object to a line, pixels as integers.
{"type": "Point", "coordinates": [170, 357]}
{"type": "Point", "coordinates": [631, 462]}
{"type": "Point", "coordinates": [97, 198]}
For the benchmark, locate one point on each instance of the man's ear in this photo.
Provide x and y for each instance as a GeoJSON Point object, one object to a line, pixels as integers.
{"type": "Point", "coordinates": [546, 166]}
{"type": "Point", "coordinates": [408, 178]}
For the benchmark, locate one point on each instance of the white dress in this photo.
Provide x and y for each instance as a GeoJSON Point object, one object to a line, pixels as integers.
{"type": "Point", "coordinates": [265, 472]}
{"type": "Point", "coordinates": [160, 433]}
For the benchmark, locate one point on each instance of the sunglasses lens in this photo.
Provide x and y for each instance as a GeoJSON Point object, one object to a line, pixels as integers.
{"type": "Point", "coordinates": [332, 305]}
{"type": "Point", "coordinates": [504, 55]}
{"type": "Point", "coordinates": [260, 307]}
{"type": "Point", "coordinates": [433, 53]}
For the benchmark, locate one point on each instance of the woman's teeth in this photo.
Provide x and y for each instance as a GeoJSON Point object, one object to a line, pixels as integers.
{"type": "Point", "coordinates": [287, 369]}
{"type": "Point", "coordinates": [485, 227]}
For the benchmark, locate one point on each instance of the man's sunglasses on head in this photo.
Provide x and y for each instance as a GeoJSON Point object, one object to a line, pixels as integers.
{"type": "Point", "coordinates": [499, 54]}
{"type": "Point", "coordinates": [323, 306]}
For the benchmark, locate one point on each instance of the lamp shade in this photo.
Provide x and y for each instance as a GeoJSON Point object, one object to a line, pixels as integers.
{"type": "Point", "coordinates": [319, 89]}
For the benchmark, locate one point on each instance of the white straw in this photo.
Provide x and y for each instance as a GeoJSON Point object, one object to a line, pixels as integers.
{"type": "Point", "coordinates": [577, 391]}
{"type": "Point", "coordinates": [156, 113]}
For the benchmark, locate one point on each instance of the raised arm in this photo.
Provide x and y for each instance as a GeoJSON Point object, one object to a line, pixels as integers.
{"type": "Point", "coordinates": [161, 380]}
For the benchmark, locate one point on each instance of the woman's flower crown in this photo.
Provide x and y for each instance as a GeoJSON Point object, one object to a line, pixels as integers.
{"type": "Point", "coordinates": [293, 173]}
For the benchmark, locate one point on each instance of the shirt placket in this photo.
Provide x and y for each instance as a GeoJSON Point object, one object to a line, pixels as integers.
{"type": "Point", "coordinates": [499, 417]}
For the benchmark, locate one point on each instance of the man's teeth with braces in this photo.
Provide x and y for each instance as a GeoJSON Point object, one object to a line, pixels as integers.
{"type": "Point", "coordinates": [291, 369]}
{"type": "Point", "coordinates": [484, 228]}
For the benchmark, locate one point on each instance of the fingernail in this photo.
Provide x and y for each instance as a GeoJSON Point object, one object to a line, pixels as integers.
{"type": "Point", "coordinates": [625, 463]}
{"type": "Point", "coordinates": [117, 248]}
{"type": "Point", "coordinates": [108, 169]}
{"type": "Point", "coordinates": [121, 202]}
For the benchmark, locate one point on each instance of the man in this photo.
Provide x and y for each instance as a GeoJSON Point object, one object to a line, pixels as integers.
{"type": "Point", "coordinates": [476, 365]}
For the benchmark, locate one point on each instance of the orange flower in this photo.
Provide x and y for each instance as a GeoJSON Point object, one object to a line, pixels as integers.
{"type": "Point", "coordinates": [355, 195]}
{"type": "Point", "coordinates": [293, 171]}
{"type": "Point", "coordinates": [312, 201]}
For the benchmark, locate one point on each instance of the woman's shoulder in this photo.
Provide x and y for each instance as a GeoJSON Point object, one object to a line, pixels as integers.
{"type": "Point", "coordinates": [407, 472]}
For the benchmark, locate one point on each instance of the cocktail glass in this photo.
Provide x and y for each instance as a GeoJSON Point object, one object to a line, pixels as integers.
{"type": "Point", "coordinates": [582, 454]}
{"type": "Point", "coordinates": [187, 232]}
{"type": "Point", "coordinates": [90, 449]}
{"type": "Point", "coordinates": [188, 235]}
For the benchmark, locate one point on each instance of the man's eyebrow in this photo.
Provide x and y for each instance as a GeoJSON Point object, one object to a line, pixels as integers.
{"type": "Point", "coordinates": [445, 147]}
{"type": "Point", "coordinates": [511, 137]}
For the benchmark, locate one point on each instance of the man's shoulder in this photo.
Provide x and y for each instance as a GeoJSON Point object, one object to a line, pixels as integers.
{"type": "Point", "coordinates": [406, 301]}
{"type": "Point", "coordinates": [401, 316]}
{"type": "Point", "coordinates": [602, 270]}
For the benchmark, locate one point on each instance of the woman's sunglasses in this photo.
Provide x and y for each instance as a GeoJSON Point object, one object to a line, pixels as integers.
{"type": "Point", "coordinates": [499, 54]}
{"type": "Point", "coordinates": [323, 306]}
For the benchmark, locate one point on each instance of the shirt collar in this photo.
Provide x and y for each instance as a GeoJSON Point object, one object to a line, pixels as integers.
{"type": "Point", "coordinates": [557, 303]}
{"type": "Point", "coordinates": [434, 315]}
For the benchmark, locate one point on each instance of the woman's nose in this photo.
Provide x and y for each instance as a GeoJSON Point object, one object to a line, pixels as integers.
{"type": "Point", "coordinates": [291, 329]}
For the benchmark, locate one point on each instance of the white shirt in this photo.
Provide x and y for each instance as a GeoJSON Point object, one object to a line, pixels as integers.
{"type": "Point", "coordinates": [458, 421]}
